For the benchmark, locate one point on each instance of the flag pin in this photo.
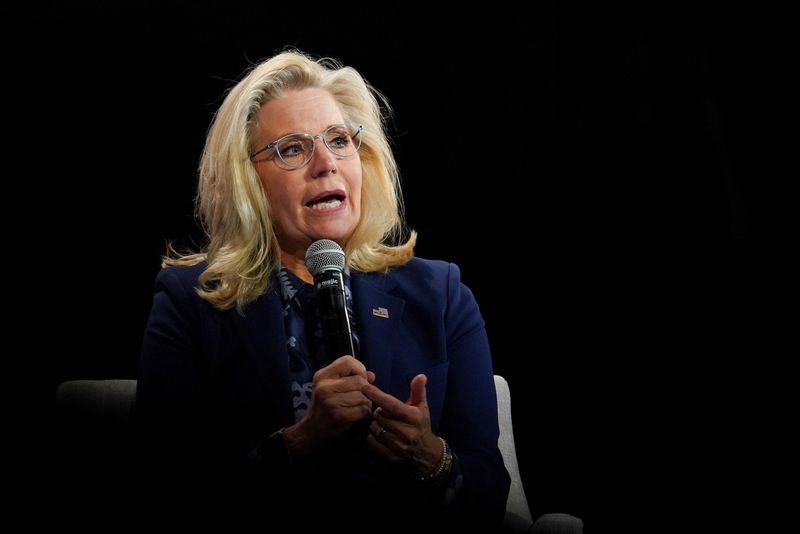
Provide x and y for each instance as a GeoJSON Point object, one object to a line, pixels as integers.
{"type": "Point", "coordinates": [380, 312]}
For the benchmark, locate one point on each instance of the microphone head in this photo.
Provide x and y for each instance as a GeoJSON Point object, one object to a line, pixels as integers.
{"type": "Point", "coordinates": [324, 255]}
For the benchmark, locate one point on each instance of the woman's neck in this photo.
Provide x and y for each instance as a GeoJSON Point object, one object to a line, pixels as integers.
{"type": "Point", "coordinates": [297, 266]}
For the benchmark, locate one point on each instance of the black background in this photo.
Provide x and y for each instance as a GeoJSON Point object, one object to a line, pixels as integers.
{"type": "Point", "coordinates": [606, 180]}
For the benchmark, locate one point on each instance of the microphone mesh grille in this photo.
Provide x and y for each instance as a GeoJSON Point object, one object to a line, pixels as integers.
{"type": "Point", "coordinates": [324, 254]}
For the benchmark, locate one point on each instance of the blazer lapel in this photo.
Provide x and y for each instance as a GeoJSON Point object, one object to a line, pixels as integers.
{"type": "Point", "coordinates": [264, 336]}
{"type": "Point", "coordinates": [377, 319]}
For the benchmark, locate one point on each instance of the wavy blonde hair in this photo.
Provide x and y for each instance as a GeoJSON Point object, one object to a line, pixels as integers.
{"type": "Point", "coordinates": [242, 249]}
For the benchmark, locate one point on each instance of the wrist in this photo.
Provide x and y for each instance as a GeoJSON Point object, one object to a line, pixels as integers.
{"type": "Point", "coordinates": [442, 468]}
{"type": "Point", "coordinates": [298, 444]}
{"type": "Point", "coordinates": [271, 453]}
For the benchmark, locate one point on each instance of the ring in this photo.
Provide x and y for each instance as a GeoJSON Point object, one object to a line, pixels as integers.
{"type": "Point", "coordinates": [381, 431]}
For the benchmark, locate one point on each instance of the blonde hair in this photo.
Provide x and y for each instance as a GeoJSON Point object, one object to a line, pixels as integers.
{"type": "Point", "coordinates": [242, 249]}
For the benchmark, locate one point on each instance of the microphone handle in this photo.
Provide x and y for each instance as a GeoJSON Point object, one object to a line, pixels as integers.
{"type": "Point", "coordinates": [333, 314]}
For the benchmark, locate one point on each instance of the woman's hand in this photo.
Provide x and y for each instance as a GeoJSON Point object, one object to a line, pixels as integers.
{"type": "Point", "coordinates": [337, 402]}
{"type": "Point", "coordinates": [401, 431]}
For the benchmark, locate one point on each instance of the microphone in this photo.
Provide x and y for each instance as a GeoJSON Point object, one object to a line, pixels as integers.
{"type": "Point", "coordinates": [325, 261]}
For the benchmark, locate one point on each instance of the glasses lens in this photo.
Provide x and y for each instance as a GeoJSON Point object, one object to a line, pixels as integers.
{"type": "Point", "coordinates": [343, 139]}
{"type": "Point", "coordinates": [295, 150]}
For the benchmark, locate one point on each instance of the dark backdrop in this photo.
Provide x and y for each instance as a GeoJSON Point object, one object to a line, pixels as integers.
{"type": "Point", "coordinates": [604, 179]}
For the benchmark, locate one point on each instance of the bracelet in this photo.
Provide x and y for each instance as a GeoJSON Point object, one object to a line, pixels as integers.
{"type": "Point", "coordinates": [444, 465]}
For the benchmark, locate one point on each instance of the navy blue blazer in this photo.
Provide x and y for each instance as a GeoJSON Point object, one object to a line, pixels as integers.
{"type": "Point", "coordinates": [218, 381]}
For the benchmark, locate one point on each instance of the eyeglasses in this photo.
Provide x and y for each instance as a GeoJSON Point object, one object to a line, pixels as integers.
{"type": "Point", "coordinates": [295, 150]}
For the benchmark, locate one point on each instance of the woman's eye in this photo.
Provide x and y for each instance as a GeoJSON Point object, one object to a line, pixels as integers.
{"type": "Point", "coordinates": [339, 141]}
{"type": "Point", "coordinates": [292, 149]}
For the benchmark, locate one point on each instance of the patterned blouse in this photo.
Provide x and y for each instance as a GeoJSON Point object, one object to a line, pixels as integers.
{"type": "Point", "coordinates": [304, 340]}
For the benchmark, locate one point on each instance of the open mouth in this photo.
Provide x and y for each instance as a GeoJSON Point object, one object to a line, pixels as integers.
{"type": "Point", "coordinates": [326, 201]}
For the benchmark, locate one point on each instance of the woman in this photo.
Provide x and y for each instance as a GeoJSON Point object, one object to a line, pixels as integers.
{"type": "Point", "coordinates": [240, 405]}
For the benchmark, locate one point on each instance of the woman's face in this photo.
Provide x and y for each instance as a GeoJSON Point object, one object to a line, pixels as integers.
{"type": "Point", "coordinates": [321, 199]}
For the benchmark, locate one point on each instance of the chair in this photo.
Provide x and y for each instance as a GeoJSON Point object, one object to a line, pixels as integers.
{"type": "Point", "coordinates": [105, 408]}
{"type": "Point", "coordinates": [92, 468]}
{"type": "Point", "coordinates": [101, 401]}
{"type": "Point", "coordinates": [518, 515]}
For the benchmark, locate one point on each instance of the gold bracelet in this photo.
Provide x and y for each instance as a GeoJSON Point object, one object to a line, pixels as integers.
{"type": "Point", "coordinates": [444, 464]}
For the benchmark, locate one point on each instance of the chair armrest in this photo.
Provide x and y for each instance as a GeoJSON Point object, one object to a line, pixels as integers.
{"type": "Point", "coordinates": [557, 524]}
{"type": "Point", "coordinates": [102, 401]}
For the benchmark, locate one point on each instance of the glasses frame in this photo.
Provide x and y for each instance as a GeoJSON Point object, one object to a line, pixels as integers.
{"type": "Point", "coordinates": [359, 132]}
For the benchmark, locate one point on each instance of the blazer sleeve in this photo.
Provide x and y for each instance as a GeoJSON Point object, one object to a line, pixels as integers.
{"type": "Point", "coordinates": [171, 379]}
{"type": "Point", "coordinates": [469, 421]}
{"type": "Point", "coordinates": [195, 454]}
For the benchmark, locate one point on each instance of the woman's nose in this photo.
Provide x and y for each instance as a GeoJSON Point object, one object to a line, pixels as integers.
{"type": "Point", "coordinates": [323, 162]}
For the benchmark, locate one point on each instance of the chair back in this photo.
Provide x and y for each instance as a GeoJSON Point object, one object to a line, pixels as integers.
{"type": "Point", "coordinates": [518, 515]}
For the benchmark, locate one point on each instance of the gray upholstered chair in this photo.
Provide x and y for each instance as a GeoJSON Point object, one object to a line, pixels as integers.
{"type": "Point", "coordinates": [518, 515]}
{"type": "Point", "coordinates": [102, 401]}
{"type": "Point", "coordinates": [109, 405]}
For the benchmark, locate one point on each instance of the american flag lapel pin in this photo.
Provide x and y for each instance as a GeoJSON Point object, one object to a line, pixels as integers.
{"type": "Point", "coordinates": [380, 312]}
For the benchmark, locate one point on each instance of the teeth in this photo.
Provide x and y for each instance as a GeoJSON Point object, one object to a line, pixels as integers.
{"type": "Point", "coordinates": [330, 204]}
